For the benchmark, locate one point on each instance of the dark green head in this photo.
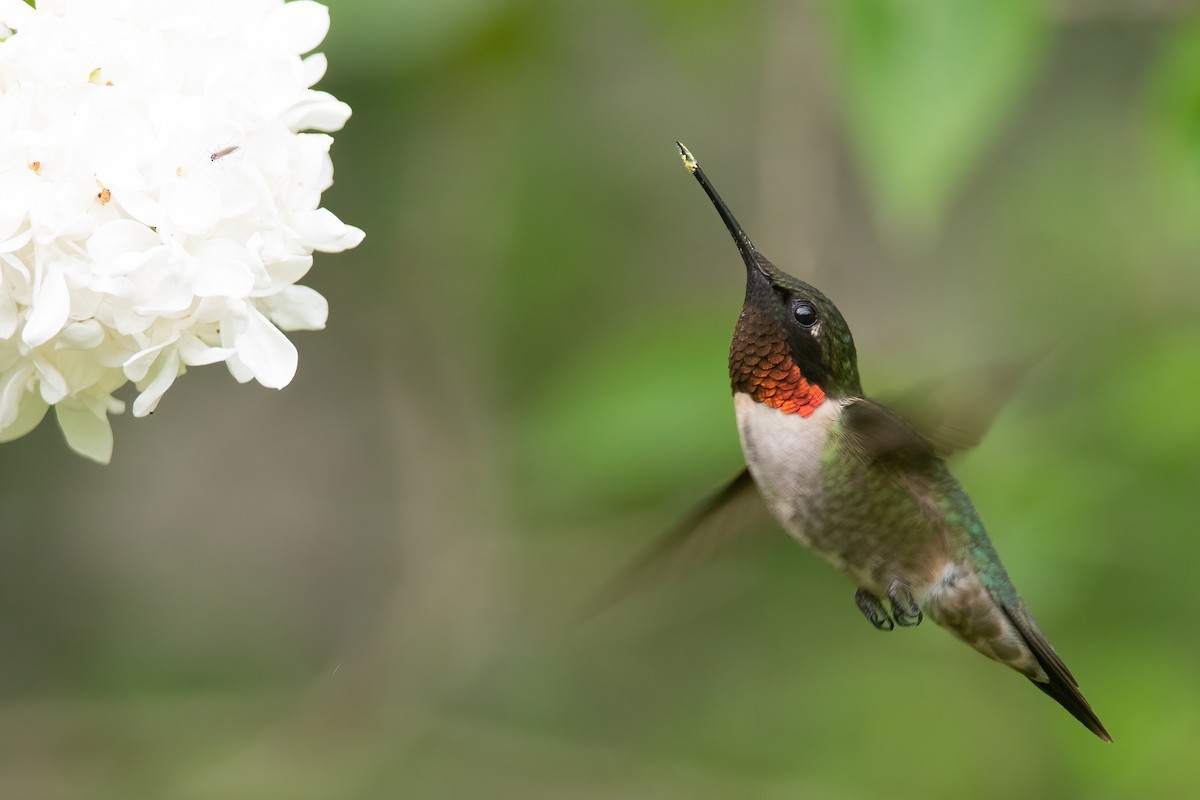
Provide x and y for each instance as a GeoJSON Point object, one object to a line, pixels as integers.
{"type": "Point", "coordinates": [788, 333]}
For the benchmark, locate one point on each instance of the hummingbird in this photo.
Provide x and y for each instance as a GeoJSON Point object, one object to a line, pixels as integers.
{"type": "Point", "coordinates": [861, 485]}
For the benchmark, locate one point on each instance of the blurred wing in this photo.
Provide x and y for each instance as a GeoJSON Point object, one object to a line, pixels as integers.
{"type": "Point", "coordinates": [710, 526]}
{"type": "Point", "coordinates": [881, 437]}
{"type": "Point", "coordinates": [953, 414]}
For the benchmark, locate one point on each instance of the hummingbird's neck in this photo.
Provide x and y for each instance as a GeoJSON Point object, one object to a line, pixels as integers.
{"type": "Point", "coordinates": [761, 366]}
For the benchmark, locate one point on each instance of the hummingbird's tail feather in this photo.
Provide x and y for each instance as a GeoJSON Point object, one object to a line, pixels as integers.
{"type": "Point", "coordinates": [986, 613]}
{"type": "Point", "coordinates": [1060, 683]}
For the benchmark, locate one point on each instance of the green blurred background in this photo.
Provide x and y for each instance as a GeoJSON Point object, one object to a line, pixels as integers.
{"type": "Point", "coordinates": [362, 586]}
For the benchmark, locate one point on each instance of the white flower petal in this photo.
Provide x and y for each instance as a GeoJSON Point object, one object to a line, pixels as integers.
{"type": "Point", "coordinates": [62, 211]}
{"type": "Point", "coordinates": [87, 433]}
{"type": "Point", "coordinates": [137, 366]}
{"type": "Point", "coordinates": [51, 305]}
{"type": "Point", "coordinates": [121, 246]}
{"type": "Point", "coordinates": [299, 308]}
{"type": "Point", "coordinates": [266, 352]}
{"type": "Point", "coordinates": [241, 190]}
{"type": "Point", "coordinates": [31, 410]}
{"type": "Point", "coordinates": [141, 206]}
{"type": "Point", "coordinates": [17, 187]}
{"type": "Point", "coordinates": [16, 242]}
{"type": "Point", "coordinates": [113, 406]}
{"type": "Point", "coordinates": [83, 372]}
{"type": "Point", "coordinates": [314, 68]}
{"type": "Point", "coordinates": [126, 321]}
{"type": "Point", "coordinates": [240, 372]}
{"type": "Point", "coordinates": [195, 353]}
{"type": "Point", "coordinates": [325, 232]}
{"type": "Point", "coordinates": [193, 204]}
{"type": "Point", "coordinates": [160, 199]}
{"type": "Point", "coordinates": [13, 388]}
{"type": "Point", "coordinates": [223, 278]}
{"type": "Point", "coordinates": [16, 265]}
{"type": "Point", "coordinates": [8, 316]}
{"type": "Point", "coordinates": [168, 371]}
{"type": "Point", "coordinates": [283, 273]}
{"type": "Point", "coordinates": [296, 27]}
{"type": "Point", "coordinates": [319, 111]}
{"type": "Point", "coordinates": [15, 13]}
{"type": "Point", "coordinates": [52, 383]}
{"type": "Point", "coordinates": [223, 269]}
{"type": "Point", "coordinates": [82, 335]}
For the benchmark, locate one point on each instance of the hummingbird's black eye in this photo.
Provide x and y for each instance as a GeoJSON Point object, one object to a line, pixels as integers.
{"type": "Point", "coordinates": [805, 313]}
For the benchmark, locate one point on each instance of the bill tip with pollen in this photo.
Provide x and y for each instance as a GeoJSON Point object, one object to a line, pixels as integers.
{"type": "Point", "coordinates": [689, 161]}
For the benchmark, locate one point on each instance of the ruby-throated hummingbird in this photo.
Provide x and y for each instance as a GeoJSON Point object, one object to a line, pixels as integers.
{"type": "Point", "coordinates": [862, 486]}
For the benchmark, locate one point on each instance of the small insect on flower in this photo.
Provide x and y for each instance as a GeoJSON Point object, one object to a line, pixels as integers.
{"type": "Point", "coordinates": [224, 151]}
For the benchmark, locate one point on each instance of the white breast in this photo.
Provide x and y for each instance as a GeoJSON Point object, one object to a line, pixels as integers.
{"type": "Point", "coordinates": [784, 453]}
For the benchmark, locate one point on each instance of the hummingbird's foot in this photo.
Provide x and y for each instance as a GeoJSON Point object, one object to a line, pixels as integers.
{"type": "Point", "coordinates": [872, 608]}
{"type": "Point", "coordinates": [904, 607]}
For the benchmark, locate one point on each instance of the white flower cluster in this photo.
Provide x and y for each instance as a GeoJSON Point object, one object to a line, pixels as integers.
{"type": "Point", "coordinates": [159, 200]}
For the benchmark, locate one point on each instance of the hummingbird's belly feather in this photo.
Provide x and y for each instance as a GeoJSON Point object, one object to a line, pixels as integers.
{"type": "Point", "coordinates": [875, 527]}
{"type": "Point", "coordinates": [784, 453]}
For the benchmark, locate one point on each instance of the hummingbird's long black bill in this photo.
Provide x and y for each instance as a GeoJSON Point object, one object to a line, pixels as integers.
{"type": "Point", "coordinates": [744, 245]}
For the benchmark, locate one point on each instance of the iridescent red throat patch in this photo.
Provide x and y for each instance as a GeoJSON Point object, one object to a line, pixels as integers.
{"type": "Point", "coordinates": [763, 369]}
